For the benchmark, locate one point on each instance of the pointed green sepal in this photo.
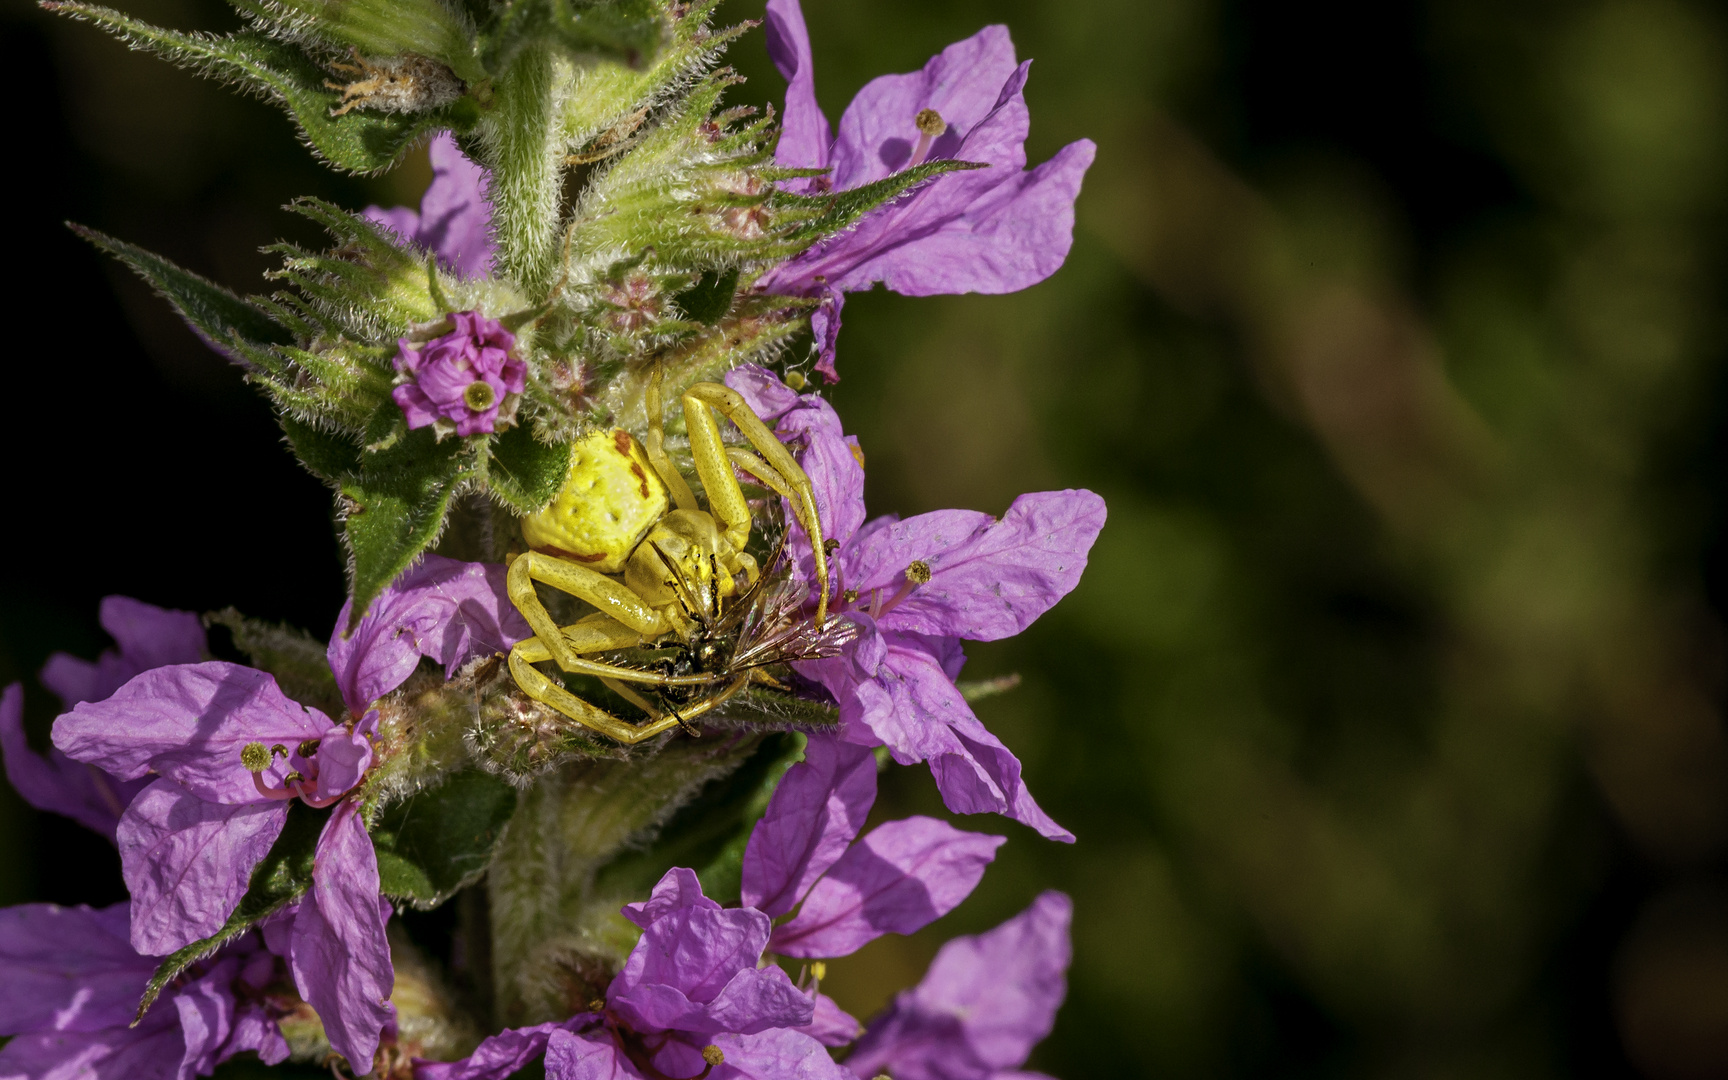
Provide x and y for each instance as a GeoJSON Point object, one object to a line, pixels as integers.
{"type": "Point", "coordinates": [362, 140]}
{"type": "Point", "coordinates": [627, 31]}
{"type": "Point", "coordinates": [218, 315]}
{"type": "Point", "coordinates": [525, 472]}
{"type": "Point", "coordinates": [327, 455]}
{"type": "Point", "coordinates": [832, 213]}
{"type": "Point", "coordinates": [280, 879]}
{"type": "Point", "coordinates": [436, 842]}
{"type": "Point", "coordinates": [394, 507]}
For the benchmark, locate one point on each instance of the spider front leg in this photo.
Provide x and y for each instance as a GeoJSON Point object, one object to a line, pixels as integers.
{"type": "Point", "coordinates": [610, 597]}
{"type": "Point", "coordinates": [725, 498]}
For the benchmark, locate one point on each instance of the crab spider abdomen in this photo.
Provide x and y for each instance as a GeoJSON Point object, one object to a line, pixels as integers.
{"type": "Point", "coordinates": [610, 499]}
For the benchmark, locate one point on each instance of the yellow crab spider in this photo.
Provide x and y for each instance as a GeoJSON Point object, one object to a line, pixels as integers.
{"type": "Point", "coordinates": [610, 538]}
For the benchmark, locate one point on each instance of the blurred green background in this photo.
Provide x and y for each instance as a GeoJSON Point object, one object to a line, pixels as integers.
{"type": "Point", "coordinates": [1389, 713]}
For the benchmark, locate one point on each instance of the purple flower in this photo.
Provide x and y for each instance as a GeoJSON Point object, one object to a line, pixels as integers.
{"type": "Point", "coordinates": [916, 588]}
{"type": "Point", "coordinates": [148, 637]}
{"type": "Point", "coordinates": [898, 879]}
{"type": "Point", "coordinates": [465, 381]}
{"type": "Point", "coordinates": [993, 230]}
{"type": "Point", "coordinates": [70, 982]}
{"type": "Point", "coordinates": [454, 221]}
{"type": "Point", "coordinates": [982, 1006]}
{"type": "Point", "coordinates": [231, 751]}
{"type": "Point", "coordinates": [693, 984]}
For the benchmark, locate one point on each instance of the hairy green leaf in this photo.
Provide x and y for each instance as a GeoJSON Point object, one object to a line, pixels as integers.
{"type": "Point", "coordinates": [394, 507]}
{"type": "Point", "coordinates": [328, 455]}
{"type": "Point", "coordinates": [525, 472]}
{"type": "Point", "coordinates": [709, 299]}
{"type": "Point", "coordinates": [831, 213]}
{"type": "Point", "coordinates": [629, 31]}
{"type": "Point", "coordinates": [433, 843]}
{"type": "Point", "coordinates": [279, 880]}
{"type": "Point", "coordinates": [359, 141]}
{"type": "Point", "coordinates": [221, 317]}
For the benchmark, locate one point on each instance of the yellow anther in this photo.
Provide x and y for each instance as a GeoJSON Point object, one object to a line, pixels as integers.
{"type": "Point", "coordinates": [597, 1005]}
{"type": "Point", "coordinates": [930, 122]}
{"type": "Point", "coordinates": [308, 747]}
{"type": "Point", "coordinates": [278, 751]}
{"type": "Point", "coordinates": [831, 545]}
{"type": "Point", "coordinates": [712, 1055]}
{"type": "Point", "coordinates": [819, 970]}
{"type": "Point", "coordinates": [918, 573]}
{"type": "Point", "coordinates": [254, 757]}
{"type": "Point", "coordinates": [850, 596]}
{"type": "Point", "coordinates": [479, 396]}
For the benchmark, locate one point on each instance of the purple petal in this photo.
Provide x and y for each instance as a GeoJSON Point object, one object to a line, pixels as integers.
{"type": "Point", "coordinates": [677, 890]}
{"type": "Point", "coordinates": [151, 1051]}
{"type": "Point", "coordinates": [985, 778]}
{"type": "Point", "coordinates": [498, 1056]}
{"type": "Point", "coordinates": [188, 722]}
{"type": "Point", "coordinates": [152, 637]}
{"type": "Point", "coordinates": [256, 1032]}
{"type": "Point", "coordinates": [832, 1025]}
{"type": "Point", "coordinates": [775, 1054]}
{"type": "Point", "coordinates": [339, 955]}
{"type": "Point", "coordinates": [989, 579]}
{"type": "Point", "coordinates": [343, 758]}
{"type": "Point", "coordinates": [964, 82]}
{"type": "Point", "coordinates": [986, 1001]}
{"type": "Point", "coordinates": [575, 1057]}
{"type": "Point", "coordinates": [68, 968]}
{"type": "Point", "coordinates": [444, 609]}
{"type": "Point", "coordinates": [804, 132]}
{"type": "Point", "coordinates": [56, 783]}
{"type": "Point", "coordinates": [187, 862]}
{"type": "Point", "coordinates": [762, 390]}
{"type": "Point", "coordinates": [816, 811]}
{"type": "Point", "coordinates": [454, 219]}
{"type": "Point", "coordinates": [694, 969]}
{"type": "Point", "coordinates": [898, 879]}
{"type": "Point", "coordinates": [206, 1010]}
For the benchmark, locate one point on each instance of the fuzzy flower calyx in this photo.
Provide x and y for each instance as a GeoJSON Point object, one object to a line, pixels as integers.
{"type": "Point", "coordinates": [465, 381]}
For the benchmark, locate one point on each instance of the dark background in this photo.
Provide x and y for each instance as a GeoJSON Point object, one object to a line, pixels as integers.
{"type": "Point", "coordinates": [1389, 712]}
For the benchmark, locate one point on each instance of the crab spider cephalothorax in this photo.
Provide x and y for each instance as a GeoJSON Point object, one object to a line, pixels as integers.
{"type": "Point", "coordinates": [626, 535]}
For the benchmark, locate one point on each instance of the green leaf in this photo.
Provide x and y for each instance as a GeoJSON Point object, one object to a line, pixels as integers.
{"type": "Point", "coordinates": [709, 832]}
{"type": "Point", "coordinates": [298, 660]}
{"type": "Point", "coordinates": [525, 472]}
{"type": "Point", "coordinates": [842, 209]}
{"type": "Point", "coordinates": [281, 878]}
{"type": "Point", "coordinates": [433, 843]}
{"type": "Point", "coordinates": [219, 315]}
{"type": "Point", "coordinates": [359, 141]}
{"type": "Point", "coordinates": [629, 31]}
{"type": "Point", "coordinates": [328, 455]}
{"type": "Point", "coordinates": [395, 506]}
{"type": "Point", "coordinates": [709, 299]}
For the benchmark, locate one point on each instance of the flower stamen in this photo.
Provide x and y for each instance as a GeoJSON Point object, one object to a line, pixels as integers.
{"type": "Point", "coordinates": [931, 126]}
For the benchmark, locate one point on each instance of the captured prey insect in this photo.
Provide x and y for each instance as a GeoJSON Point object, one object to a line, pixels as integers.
{"type": "Point", "coordinates": [668, 579]}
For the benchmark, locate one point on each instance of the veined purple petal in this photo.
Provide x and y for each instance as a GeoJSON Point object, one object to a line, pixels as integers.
{"type": "Point", "coordinates": [454, 221]}
{"type": "Point", "coordinates": [188, 722]}
{"type": "Point", "coordinates": [985, 1002]}
{"type": "Point", "coordinates": [68, 968]}
{"type": "Point", "coordinates": [499, 1056]}
{"type": "Point", "coordinates": [206, 1008]}
{"type": "Point", "coordinates": [805, 136]}
{"type": "Point", "coordinates": [898, 879]}
{"type": "Point", "coordinates": [987, 775]}
{"type": "Point", "coordinates": [187, 861]}
{"type": "Point", "coordinates": [150, 1051]}
{"type": "Point", "coordinates": [339, 955]}
{"type": "Point", "coordinates": [343, 757]}
{"type": "Point", "coordinates": [815, 813]}
{"type": "Point", "coordinates": [576, 1057]}
{"type": "Point", "coordinates": [56, 783]}
{"type": "Point", "coordinates": [775, 1054]}
{"type": "Point", "coordinates": [147, 636]}
{"type": "Point", "coordinates": [676, 890]}
{"type": "Point", "coordinates": [694, 969]}
{"type": "Point", "coordinates": [762, 390]}
{"type": "Point", "coordinates": [989, 578]}
{"type": "Point", "coordinates": [832, 1025]}
{"type": "Point", "coordinates": [448, 610]}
